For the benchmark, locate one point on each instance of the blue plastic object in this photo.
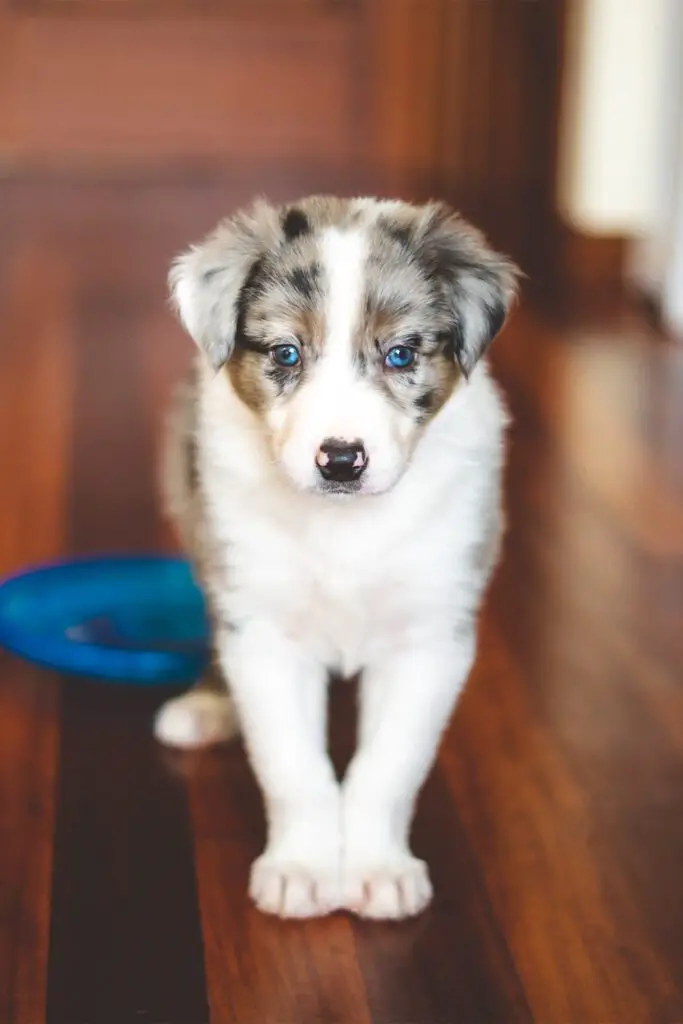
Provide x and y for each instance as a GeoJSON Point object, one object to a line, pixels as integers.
{"type": "Point", "coordinates": [138, 619]}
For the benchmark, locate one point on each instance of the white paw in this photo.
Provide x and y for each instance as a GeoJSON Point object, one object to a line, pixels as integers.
{"type": "Point", "coordinates": [294, 889]}
{"type": "Point", "coordinates": [390, 889]}
{"type": "Point", "coordinates": [199, 718]}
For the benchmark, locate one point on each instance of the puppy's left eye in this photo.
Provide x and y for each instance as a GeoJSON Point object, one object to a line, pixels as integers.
{"type": "Point", "coordinates": [286, 355]}
{"type": "Point", "coordinates": [400, 357]}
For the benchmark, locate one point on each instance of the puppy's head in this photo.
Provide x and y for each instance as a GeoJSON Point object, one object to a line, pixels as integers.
{"type": "Point", "coordinates": [344, 325]}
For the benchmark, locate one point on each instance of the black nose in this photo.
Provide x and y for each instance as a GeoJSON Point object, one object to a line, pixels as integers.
{"type": "Point", "coordinates": [341, 461]}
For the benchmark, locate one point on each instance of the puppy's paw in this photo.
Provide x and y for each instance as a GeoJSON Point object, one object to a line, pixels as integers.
{"type": "Point", "coordinates": [294, 888]}
{"type": "Point", "coordinates": [200, 718]}
{"type": "Point", "coordinates": [393, 888]}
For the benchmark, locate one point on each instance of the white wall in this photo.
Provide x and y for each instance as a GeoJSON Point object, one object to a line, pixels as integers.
{"type": "Point", "coordinates": [666, 236]}
{"type": "Point", "coordinates": [672, 287]}
{"type": "Point", "coordinates": [652, 254]}
{"type": "Point", "coordinates": [610, 128]}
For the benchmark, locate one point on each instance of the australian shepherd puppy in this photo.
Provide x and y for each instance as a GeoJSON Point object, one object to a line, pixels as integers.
{"type": "Point", "coordinates": [334, 469]}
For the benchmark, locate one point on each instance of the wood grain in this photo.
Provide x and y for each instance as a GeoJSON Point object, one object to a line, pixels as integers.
{"type": "Point", "coordinates": [455, 98]}
{"type": "Point", "coordinates": [125, 940]}
{"type": "Point", "coordinates": [553, 821]}
{"type": "Point", "coordinates": [35, 387]}
{"type": "Point", "coordinates": [198, 88]}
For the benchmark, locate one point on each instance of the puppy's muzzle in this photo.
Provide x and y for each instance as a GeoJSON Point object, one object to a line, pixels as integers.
{"type": "Point", "coordinates": [340, 461]}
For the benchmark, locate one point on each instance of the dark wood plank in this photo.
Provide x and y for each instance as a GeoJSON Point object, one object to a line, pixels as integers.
{"type": "Point", "coordinates": [578, 602]}
{"type": "Point", "coordinates": [258, 968]}
{"type": "Point", "coordinates": [28, 759]}
{"type": "Point", "coordinates": [453, 963]}
{"type": "Point", "coordinates": [125, 943]}
{"type": "Point", "coordinates": [580, 949]}
{"type": "Point", "coordinates": [34, 402]}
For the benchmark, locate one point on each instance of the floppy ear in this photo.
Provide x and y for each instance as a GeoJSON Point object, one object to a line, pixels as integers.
{"type": "Point", "coordinates": [208, 282]}
{"type": "Point", "coordinates": [477, 285]}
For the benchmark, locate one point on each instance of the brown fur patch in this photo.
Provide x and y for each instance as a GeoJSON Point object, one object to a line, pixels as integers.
{"type": "Point", "coordinates": [245, 371]}
{"type": "Point", "coordinates": [256, 379]}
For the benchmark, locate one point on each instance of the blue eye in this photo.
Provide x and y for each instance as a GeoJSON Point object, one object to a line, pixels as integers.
{"type": "Point", "coordinates": [400, 357]}
{"type": "Point", "coordinates": [286, 355]}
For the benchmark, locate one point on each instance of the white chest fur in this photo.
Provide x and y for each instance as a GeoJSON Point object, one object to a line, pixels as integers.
{"type": "Point", "coordinates": [350, 578]}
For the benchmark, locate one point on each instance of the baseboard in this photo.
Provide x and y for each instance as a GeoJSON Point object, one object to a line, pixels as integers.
{"type": "Point", "coordinates": [583, 273]}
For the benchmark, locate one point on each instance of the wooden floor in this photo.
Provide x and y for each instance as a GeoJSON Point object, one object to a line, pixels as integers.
{"type": "Point", "coordinates": [554, 821]}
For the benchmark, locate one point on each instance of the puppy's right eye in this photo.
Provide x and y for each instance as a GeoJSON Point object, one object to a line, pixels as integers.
{"type": "Point", "coordinates": [286, 355]}
{"type": "Point", "coordinates": [400, 357]}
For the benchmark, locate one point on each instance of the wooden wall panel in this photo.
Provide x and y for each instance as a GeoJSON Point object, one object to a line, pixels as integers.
{"type": "Point", "coordinates": [457, 98]}
{"type": "Point", "coordinates": [402, 84]}
{"type": "Point", "coordinates": [465, 103]}
{"type": "Point", "coordinates": [501, 73]}
{"type": "Point", "coordinates": [156, 8]}
{"type": "Point", "coordinates": [109, 92]}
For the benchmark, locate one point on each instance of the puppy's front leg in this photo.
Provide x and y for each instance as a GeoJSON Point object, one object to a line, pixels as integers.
{"type": "Point", "coordinates": [281, 695]}
{"type": "Point", "coordinates": [405, 704]}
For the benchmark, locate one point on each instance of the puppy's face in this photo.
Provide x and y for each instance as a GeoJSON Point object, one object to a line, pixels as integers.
{"type": "Point", "coordinates": [344, 325]}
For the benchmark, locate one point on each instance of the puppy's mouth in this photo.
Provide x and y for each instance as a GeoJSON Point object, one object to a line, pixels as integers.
{"type": "Point", "coordinates": [353, 489]}
{"type": "Point", "coordinates": [334, 488]}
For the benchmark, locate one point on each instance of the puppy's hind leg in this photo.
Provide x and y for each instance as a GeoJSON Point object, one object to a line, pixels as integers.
{"type": "Point", "coordinates": [202, 717]}
{"type": "Point", "coordinates": [205, 715]}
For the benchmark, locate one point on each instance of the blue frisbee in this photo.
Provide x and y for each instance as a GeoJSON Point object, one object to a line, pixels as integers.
{"type": "Point", "coordinates": [139, 620]}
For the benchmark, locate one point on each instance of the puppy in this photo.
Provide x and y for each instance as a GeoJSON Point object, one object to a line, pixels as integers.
{"type": "Point", "coordinates": [334, 469]}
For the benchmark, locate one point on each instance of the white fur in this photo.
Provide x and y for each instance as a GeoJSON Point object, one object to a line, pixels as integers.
{"type": "Point", "coordinates": [337, 403]}
{"type": "Point", "coordinates": [197, 719]}
{"type": "Point", "coordinates": [389, 584]}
